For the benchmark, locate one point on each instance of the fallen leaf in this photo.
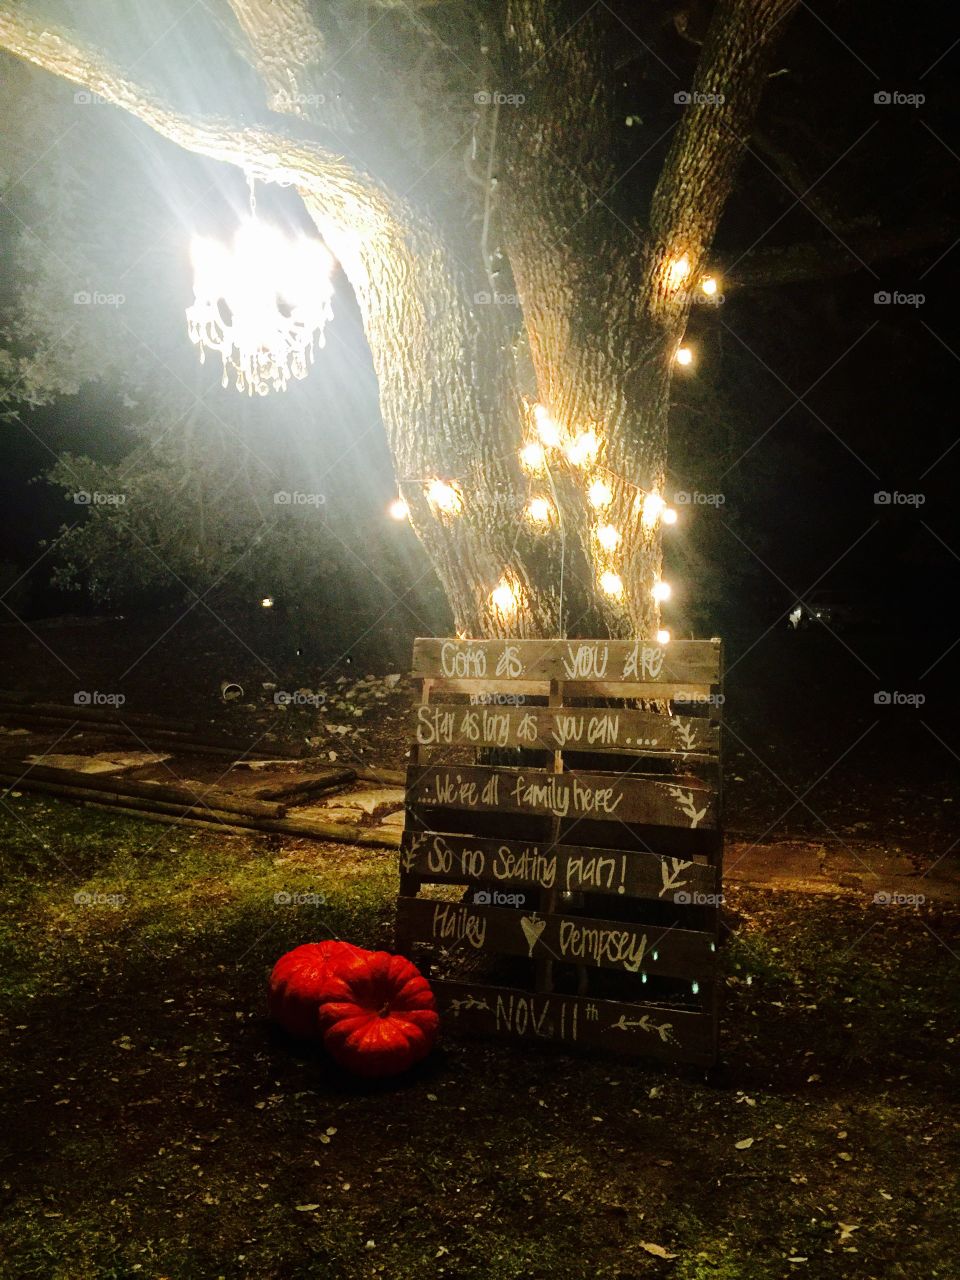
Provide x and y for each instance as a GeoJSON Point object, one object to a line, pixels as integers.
{"type": "Point", "coordinates": [847, 1229]}
{"type": "Point", "coordinates": [307, 1208]}
{"type": "Point", "coordinates": [657, 1250]}
{"type": "Point", "coordinates": [743, 1144]}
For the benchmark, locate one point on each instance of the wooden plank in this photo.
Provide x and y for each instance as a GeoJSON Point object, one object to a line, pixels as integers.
{"type": "Point", "coordinates": [520, 690]}
{"type": "Point", "coordinates": [506, 661]}
{"type": "Point", "coordinates": [600, 729]}
{"type": "Point", "coordinates": [633, 1030]}
{"type": "Point", "coordinates": [436, 858]}
{"type": "Point", "coordinates": [601, 944]}
{"type": "Point", "coordinates": [622, 797]}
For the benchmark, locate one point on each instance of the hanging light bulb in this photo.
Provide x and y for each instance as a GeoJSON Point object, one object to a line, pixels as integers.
{"type": "Point", "coordinates": [651, 507]}
{"type": "Point", "coordinates": [599, 494]}
{"type": "Point", "coordinates": [661, 591]}
{"type": "Point", "coordinates": [547, 429]}
{"type": "Point", "coordinates": [398, 509]}
{"type": "Point", "coordinates": [262, 304]}
{"type": "Point", "coordinates": [684, 356]}
{"type": "Point", "coordinates": [444, 497]}
{"type": "Point", "coordinates": [583, 449]}
{"type": "Point", "coordinates": [532, 456]}
{"type": "Point", "coordinates": [608, 536]}
{"type": "Point", "coordinates": [539, 510]}
{"type": "Point", "coordinates": [663, 636]}
{"type": "Point", "coordinates": [669, 515]}
{"type": "Point", "coordinates": [678, 271]}
{"type": "Point", "coordinates": [505, 597]}
{"type": "Point", "coordinates": [612, 584]}
{"type": "Point", "coordinates": [709, 286]}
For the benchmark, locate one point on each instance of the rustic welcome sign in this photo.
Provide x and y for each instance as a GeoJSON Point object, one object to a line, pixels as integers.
{"type": "Point", "coordinates": [572, 789]}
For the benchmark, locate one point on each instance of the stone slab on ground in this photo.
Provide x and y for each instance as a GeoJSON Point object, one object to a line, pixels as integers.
{"type": "Point", "coordinates": [102, 761]}
{"type": "Point", "coordinates": [813, 867]}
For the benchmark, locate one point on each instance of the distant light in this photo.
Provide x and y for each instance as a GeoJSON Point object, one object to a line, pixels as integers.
{"type": "Point", "coordinates": [398, 509]}
{"type": "Point", "coordinates": [651, 509]}
{"type": "Point", "coordinates": [547, 429]}
{"type": "Point", "coordinates": [612, 584]}
{"type": "Point", "coordinates": [505, 597]}
{"type": "Point", "coordinates": [663, 636]}
{"type": "Point", "coordinates": [669, 515]}
{"type": "Point", "coordinates": [684, 356]}
{"type": "Point", "coordinates": [532, 456]}
{"type": "Point", "coordinates": [608, 536]}
{"type": "Point", "coordinates": [540, 510]}
{"type": "Point", "coordinates": [599, 493]}
{"type": "Point", "coordinates": [266, 602]}
{"type": "Point", "coordinates": [678, 271]}
{"type": "Point", "coordinates": [583, 449]}
{"type": "Point", "coordinates": [661, 591]}
{"type": "Point", "coordinates": [444, 497]}
{"type": "Point", "coordinates": [695, 987]}
{"type": "Point", "coordinates": [709, 286]}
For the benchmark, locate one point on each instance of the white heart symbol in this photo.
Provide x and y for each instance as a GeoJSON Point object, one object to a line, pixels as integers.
{"type": "Point", "coordinates": [532, 929]}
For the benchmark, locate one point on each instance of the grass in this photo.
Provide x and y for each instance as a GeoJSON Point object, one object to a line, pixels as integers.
{"type": "Point", "coordinates": [157, 1126]}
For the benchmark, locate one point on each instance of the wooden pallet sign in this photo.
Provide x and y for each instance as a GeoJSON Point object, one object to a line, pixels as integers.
{"type": "Point", "coordinates": [561, 860]}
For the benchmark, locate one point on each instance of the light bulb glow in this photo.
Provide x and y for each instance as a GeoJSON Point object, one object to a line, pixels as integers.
{"type": "Point", "coordinates": [663, 636]}
{"type": "Point", "coordinates": [584, 448]}
{"type": "Point", "coordinates": [547, 429]}
{"type": "Point", "coordinates": [532, 456]}
{"type": "Point", "coordinates": [398, 509]}
{"type": "Point", "coordinates": [651, 508]}
{"type": "Point", "coordinates": [539, 510]}
{"type": "Point", "coordinates": [612, 584]}
{"type": "Point", "coordinates": [599, 493]}
{"type": "Point", "coordinates": [505, 597]}
{"type": "Point", "coordinates": [608, 537]}
{"type": "Point", "coordinates": [276, 291]}
{"type": "Point", "coordinates": [444, 497]}
{"type": "Point", "coordinates": [709, 286]}
{"type": "Point", "coordinates": [678, 271]}
{"type": "Point", "coordinates": [661, 591]}
{"type": "Point", "coordinates": [669, 515]}
{"type": "Point", "coordinates": [266, 602]}
{"type": "Point", "coordinates": [684, 356]}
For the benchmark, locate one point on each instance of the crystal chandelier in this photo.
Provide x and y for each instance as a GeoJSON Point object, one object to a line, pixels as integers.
{"type": "Point", "coordinates": [261, 304]}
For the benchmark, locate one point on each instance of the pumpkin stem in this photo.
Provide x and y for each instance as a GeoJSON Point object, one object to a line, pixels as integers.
{"type": "Point", "coordinates": [384, 1009]}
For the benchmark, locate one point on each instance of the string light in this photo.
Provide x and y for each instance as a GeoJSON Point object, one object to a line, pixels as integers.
{"type": "Point", "coordinates": [663, 636]}
{"type": "Point", "coordinates": [266, 602]}
{"type": "Point", "coordinates": [583, 449]}
{"type": "Point", "coordinates": [599, 493]}
{"type": "Point", "coordinates": [505, 597]}
{"type": "Point", "coordinates": [651, 506]}
{"type": "Point", "coordinates": [445, 497]}
{"type": "Point", "coordinates": [540, 510]}
{"type": "Point", "coordinates": [678, 271]}
{"type": "Point", "coordinates": [684, 356]}
{"type": "Point", "coordinates": [661, 591]}
{"type": "Point", "coordinates": [547, 429]}
{"type": "Point", "coordinates": [532, 456]}
{"type": "Point", "coordinates": [398, 509]}
{"type": "Point", "coordinates": [709, 286]}
{"type": "Point", "coordinates": [669, 515]}
{"type": "Point", "coordinates": [608, 537]}
{"type": "Point", "coordinates": [612, 584]}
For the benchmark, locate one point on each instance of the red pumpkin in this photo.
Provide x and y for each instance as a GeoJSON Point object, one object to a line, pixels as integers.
{"type": "Point", "coordinates": [300, 979]}
{"type": "Point", "coordinates": [378, 1015]}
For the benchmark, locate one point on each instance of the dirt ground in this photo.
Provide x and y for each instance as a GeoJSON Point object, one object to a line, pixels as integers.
{"type": "Point", "coordinates": [154, 1124]}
